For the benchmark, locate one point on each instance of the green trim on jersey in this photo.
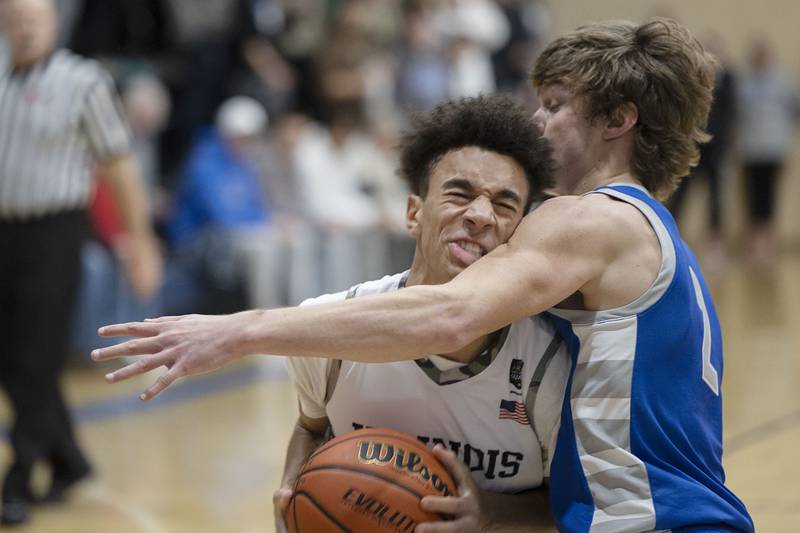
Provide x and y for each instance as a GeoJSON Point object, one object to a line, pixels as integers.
{"type": "Point", "coordinates": [475, 367]}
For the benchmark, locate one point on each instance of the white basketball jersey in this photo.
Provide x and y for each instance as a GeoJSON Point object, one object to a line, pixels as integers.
{"type": "Point", "coordinates": [480, 414]}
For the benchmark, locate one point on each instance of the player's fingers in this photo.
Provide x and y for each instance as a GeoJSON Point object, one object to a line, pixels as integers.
{"type": "Point", "coordinates": [171, 318]}
{"type": "Point", "coordinates": [452, 505]}
{"type": "Point", "coordinates": [451, 526]}
{"type": "Point", "coordinates": [459, 471]}
{"type": "Point", "coordinates": [281, 498]}
{"type": "Point", "coordinates": [129, 329]}
{"type": "Point", "coordinates": [131, 347]}
{"type": "Point", "coordinates": [136, 368]}
{"type": "Point", "coordinates": [164, 380]}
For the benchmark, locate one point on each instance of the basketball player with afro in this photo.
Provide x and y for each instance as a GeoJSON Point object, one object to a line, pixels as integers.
{"type": "Point", "coordinates": [474, 167]}
{"type": "Point", "coordinates": [640, 441]}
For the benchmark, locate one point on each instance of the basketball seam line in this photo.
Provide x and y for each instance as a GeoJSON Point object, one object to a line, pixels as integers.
{"type": "Point", "coordinates": [320, 508]}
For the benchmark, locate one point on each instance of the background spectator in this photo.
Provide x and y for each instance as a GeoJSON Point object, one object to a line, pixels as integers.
{"type": "Point", "coordinates": [768, 111]}
{"type": "Point", "coordinates": [713, 154]}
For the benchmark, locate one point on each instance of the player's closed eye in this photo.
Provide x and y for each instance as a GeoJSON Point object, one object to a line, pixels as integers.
{"type": "Point", "coordinates": [457, 194]}
{"type": "Point", "coordinates": [505, 205]}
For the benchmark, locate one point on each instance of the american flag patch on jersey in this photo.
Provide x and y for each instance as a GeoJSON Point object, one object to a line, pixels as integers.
{"type": "Point", "coordinates": [513, 410]}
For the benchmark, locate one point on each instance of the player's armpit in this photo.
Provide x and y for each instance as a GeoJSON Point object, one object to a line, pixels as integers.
{"type": "Point", "coordinates": [526, 512]}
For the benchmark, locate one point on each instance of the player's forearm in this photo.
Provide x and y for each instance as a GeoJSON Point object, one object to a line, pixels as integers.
{"type": "Point", "coordinates": [301, 445]}
{"type": "Point", "coordinates": [407, 324]}
{"type": "Point", "coordinates": [527, 512]}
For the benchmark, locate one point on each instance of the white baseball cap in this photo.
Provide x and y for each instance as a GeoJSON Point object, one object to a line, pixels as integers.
{"type": "Point", "coordinates": [241, 116]}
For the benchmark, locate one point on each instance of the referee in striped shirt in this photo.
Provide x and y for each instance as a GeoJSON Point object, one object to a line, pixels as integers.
{"type": "Point", "coordinates": [60, 121]}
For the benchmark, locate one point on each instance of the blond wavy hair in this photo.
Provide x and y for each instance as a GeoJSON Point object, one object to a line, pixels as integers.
{"type": "Point", "coordinates": [660, 68]}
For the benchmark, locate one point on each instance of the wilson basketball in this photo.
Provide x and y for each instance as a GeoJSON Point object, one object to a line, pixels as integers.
{"type": "Point", "coordinates": [370, 480]}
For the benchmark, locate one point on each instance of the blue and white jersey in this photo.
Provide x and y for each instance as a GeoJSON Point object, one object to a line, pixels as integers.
{"type": "Point", "coordinates": [640, 444]}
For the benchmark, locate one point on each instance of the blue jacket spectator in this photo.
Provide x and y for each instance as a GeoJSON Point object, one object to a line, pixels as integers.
{"type": "Point", "coordinates": [218, 189]}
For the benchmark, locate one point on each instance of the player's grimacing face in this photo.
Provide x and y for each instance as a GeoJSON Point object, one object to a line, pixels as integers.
{"type": "Point", "coordinates": [563, 121]}
{"type": "Point", "coordinates": [474, 203]}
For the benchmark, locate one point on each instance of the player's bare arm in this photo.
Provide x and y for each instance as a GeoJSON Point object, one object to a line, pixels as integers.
{"type": "Point", "coordinates": [308, 435]}
{"type": "Point", "coordinates": [563, 248]}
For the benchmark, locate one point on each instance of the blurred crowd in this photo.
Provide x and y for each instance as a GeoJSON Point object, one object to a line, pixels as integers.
{"type": "Point", "coordinates": [265, 131]}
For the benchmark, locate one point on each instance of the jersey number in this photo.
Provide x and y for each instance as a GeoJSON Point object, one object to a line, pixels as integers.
{"type": "Point", "coordinates": [709, 372]}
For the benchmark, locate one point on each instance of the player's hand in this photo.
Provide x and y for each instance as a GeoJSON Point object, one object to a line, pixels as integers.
{"type": "Point", "coordinates": [464, 508]}
{"type": "Point", "coordinates": [280, 502]}
{"type": "Point", "coordinates": [185, 345]}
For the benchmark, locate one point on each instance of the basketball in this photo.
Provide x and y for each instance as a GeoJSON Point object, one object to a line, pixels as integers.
{"type": "Point", "coordinates": [370, 480]}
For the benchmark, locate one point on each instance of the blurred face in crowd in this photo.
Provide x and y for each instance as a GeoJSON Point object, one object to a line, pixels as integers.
{"type": "Point", "coordinates": [474, 202]}
{"type": "Point", "coordinates": [760, 55]}
{"type": "Point", "coordinates": [30, 28]}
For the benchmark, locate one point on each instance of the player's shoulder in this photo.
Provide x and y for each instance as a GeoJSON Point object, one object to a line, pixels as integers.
{"type": "Point", "coordinates": [385, 284]}
{"type": "Point", "coordinates": [578, 209]}
{"type": "Point", "coordinates": [388, 283]}
{"type": "Point", "coordinates": [573, 220]}
{"type": "Point", "coordinates": [324, 299]}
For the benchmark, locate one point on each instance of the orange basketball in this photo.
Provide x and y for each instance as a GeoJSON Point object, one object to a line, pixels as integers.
{"type": "Point", "coordinates": [370, 480]}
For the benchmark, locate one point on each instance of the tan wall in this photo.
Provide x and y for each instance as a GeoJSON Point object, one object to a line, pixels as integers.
{"type": "Point", "coordinates": [736, 22]}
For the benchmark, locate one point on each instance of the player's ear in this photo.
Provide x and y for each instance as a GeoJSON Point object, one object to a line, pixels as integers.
{"type": "Point", "coordinates": [413, 215]}
{"type": "Point", "coordinates": [621, 121]}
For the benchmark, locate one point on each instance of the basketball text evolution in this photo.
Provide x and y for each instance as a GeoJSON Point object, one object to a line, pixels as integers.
{"type": "Point", "coordinates": [380, 511]}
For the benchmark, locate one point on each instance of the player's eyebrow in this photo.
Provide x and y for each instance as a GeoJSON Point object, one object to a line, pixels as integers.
{"type": "Point", "coordinates": [508, 194]}
{"type": "Point", "coordinates": [458, 183]}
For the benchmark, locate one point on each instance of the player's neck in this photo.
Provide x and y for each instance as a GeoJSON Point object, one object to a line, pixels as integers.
{"type": "Point", "coordinates": [420, 274]}
{"type": "Point", "coordinates": [611, 163]}
{"type": "Point", "coordinates": [593, 180]}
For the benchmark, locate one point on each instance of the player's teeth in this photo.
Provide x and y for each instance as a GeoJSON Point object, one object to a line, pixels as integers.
{"type": "Point", "coordinates": [472, 248]}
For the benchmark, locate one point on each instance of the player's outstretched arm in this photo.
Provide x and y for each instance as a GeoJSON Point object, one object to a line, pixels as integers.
{"type": "Point", "coordinates": [545, 261]}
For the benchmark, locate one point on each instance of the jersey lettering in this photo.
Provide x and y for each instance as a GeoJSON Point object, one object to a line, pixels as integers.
{"type": "Point", "coordinates": [485, 461]}
{"type": "Point", "coordinates": [710, 375]}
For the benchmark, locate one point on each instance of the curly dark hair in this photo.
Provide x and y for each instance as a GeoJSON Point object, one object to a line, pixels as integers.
{"type": "Point", "coordinates": [495, 123]}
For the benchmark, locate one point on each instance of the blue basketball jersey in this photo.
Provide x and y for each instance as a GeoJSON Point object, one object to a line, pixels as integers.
{"type": "Point", "coordinates": [640, 444]}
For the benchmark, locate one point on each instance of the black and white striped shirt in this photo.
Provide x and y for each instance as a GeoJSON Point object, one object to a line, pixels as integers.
{"type": "Point", "coordinates": [57, 119]}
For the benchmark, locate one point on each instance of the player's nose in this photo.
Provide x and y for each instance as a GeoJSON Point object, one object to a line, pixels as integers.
{"type": "Point", "coordinates": [538, 120]}
{"type": "Point", "coordinates": [480, 214]}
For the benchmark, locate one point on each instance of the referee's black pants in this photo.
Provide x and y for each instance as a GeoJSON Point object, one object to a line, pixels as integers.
{"type": "Point", "coordinates": [39, 276]}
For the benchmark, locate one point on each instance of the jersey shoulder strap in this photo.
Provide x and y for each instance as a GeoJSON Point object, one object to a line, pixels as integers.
{"type": "Point", "coordinates": [336, 364]}
{"type": "Point", "coordinates": [536, 381]}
